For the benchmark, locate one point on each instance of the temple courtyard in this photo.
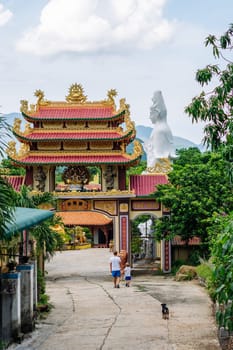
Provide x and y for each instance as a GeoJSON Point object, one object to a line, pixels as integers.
{"type": "Point", "coordinates": [88, 313]}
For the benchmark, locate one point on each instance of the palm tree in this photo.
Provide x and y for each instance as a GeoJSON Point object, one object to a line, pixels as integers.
{"type": "Point", "coordinates": [48, 240]}
{"type": "Point", "coordinates": [6, 207]}
{"type": "Point", "coordinates": [24, 198]}
{"type": "Point", "coordinates": [6, 201]}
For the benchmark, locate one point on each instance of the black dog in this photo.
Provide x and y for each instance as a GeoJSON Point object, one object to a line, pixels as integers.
{"type": "Point", "coordinates": [165, 312]}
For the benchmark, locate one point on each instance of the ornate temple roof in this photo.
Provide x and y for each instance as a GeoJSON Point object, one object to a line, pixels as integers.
{"type": "Point", "coordinates": [93, 127]}
{"type": "Point", "coordinates": [16, 181]}
{"type": "Point", "coordinates": [73, 135]}
{"type": "Point", "coordinates": [85, 158]}
{"type": "Point", "coordinates": [84, 218]}
{"type": "Point", "coordinates": [76, 107]}
{"type": "Point", "coordinates": [73, 113]}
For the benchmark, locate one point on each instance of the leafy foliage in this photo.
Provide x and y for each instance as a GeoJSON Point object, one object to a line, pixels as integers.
{"type": "Point", "coordinates": [8, 168]}
{"type": "Point", "coordinates": [222, 252]}
{"type": "Point", "coordinates": [24, 198]}
{"type": "Point", "coordinates": [216, 107]}
{"type": "Point", "coordinates": [47, 240]}
{"type": "Point", "coordinates": [136, 170]}
{"type": "Point", "coordinates": [6, 206]}
{"type": "Point", "coordinates": [6, 201]}
{"type": "Point", "coordinates": [198, 187]}
{"type": "Point", "coordinates": [205, 271]}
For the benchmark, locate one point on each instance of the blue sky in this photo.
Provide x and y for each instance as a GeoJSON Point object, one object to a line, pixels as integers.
{"type": "Point", "coordinates": [134, 46]}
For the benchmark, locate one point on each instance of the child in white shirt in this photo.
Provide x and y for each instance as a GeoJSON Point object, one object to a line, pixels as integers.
{"type": "Point", "coordinates": [127, 272]}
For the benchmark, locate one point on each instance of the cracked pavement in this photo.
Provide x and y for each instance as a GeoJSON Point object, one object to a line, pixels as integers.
{"type": "Point", "coordinates": [88, 313]}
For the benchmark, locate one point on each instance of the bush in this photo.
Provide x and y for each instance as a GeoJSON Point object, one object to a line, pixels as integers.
{"type": "Point", "coordinates": [205, 271]}
{"type": "Point", "coordinates": [194, 258]}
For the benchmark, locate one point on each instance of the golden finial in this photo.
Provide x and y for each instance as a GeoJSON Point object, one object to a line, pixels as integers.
{"type": "Point", "coordinates": [40, 96]}
{"type": "Point", "coordinates": [111, 94]}
{"type": "Point", "coordinates": [76, 94]}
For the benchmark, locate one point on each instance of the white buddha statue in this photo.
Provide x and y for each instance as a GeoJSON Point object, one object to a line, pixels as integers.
{"type": "Point", "coordinates": [160, 144]}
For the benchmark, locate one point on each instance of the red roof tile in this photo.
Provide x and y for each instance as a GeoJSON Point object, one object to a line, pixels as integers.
{"type": "Point", "coordinates": [193, 241]}
{"type": "Point", "coordinates": [76, 135]}
{"type": "Point", "coordinates": [15, 181]}
{"type": "Point", "coordinates": [84, 218]}
{"type": "Point", "coordinates": [79, 112]}
{"type": "Point", "coordinates": [74, 159]}
{"type": "Point", "coordinates": [146, 184]}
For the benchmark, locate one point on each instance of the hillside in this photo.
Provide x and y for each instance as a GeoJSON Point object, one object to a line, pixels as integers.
{"type": "Point", "coordinates": [143, 133]}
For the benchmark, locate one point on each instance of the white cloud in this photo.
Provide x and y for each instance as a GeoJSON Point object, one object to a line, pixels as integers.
{"type": "Point", "coordinates": [5, 15]}
{"type": "Point", "coordinates": [93, 25]}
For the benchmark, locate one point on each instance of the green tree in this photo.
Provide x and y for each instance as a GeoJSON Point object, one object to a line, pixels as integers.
{"type": "Point", "coordinates": [198, 187]}
{"type": "Point", "coordinates": [215, 107]}
{"type": "Point", "coordinates": [135, 170]}
{"type": "Point", "coordinates": [222, 252]}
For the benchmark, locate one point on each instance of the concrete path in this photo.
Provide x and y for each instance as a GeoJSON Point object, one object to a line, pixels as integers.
{"type": "Point", "coordinates": [90, 314]}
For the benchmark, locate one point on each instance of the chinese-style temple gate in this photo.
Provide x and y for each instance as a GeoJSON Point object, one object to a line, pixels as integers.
{"type": "Point", "coordinates": [76, 134]}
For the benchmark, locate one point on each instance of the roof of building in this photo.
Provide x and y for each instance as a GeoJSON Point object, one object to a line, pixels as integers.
{"type": "Point", "coordinates": [73, 135]}
{"type": "Point", "coordinates": [84, 218]}
{"type": "Point", "coordinates": [64, 158]}
{"type": "Point", "coordinates": [16, 181]}
{"type": "Point", "coordinates": [79, 112]}
{"type": "Point", "coordinates": [177, 241]}
{"type": "Point", "coordinates": [144, 185]}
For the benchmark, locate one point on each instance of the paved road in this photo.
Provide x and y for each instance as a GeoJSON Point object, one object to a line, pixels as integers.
{"type": "Point", "coordinates": [90, 314]}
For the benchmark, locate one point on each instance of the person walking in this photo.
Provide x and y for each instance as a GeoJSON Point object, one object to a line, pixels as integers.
{"type": "Point", "coordinates": [115, 269]}
{"type": "Point", "coordinates": [127, 271]}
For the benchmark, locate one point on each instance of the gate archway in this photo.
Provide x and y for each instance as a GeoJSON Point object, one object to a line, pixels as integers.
{"type": "Point", "coordinates": [100, 225]}
{"type": "Point", "coordinates": [143, 243]}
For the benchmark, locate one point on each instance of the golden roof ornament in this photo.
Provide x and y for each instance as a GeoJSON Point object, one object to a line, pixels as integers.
{"type": "Point", "coordinates": [24, 149]}
{"type": "Point", "coordinates": [111, 94]}
{"type": "Point", "coordinates": [76, 94]}
{"type": "Point", "coordinates": [32, 108]}
{"type": "Point", "coordinates": [40, 98]}
{"type": "Point", "coordinates": [130, 125]}
{"type": "Point", "coordinates": [11, 149]}
{"type": "Point", "coordinates": [16, 126]}
{"type": "Point", "coordinates": [124, 106]}
{"type": "Point", "coordinates": [24, 106]}
{"type": "Point", "coordinates": [28, 129]}
{"type": "Point", "coordinates": [138, 150]}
